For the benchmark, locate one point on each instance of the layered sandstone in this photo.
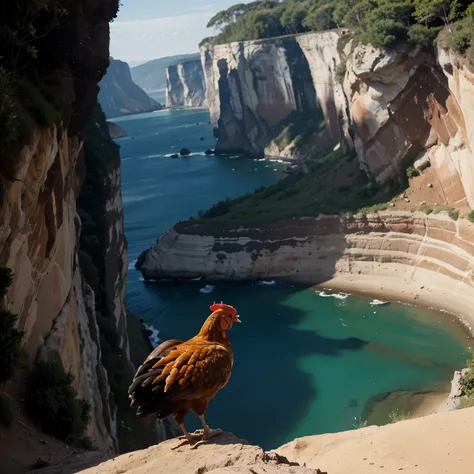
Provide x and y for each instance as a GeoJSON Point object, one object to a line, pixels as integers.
{"type": "Point", "coordinates": [393, 246]}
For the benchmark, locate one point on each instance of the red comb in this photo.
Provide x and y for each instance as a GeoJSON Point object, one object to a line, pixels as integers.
{"type": "Point", "coordinates": [221, 305]}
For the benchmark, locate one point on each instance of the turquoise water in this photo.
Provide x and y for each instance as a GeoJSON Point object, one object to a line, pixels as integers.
{"type": "Point", "coordinates": [304, 364]}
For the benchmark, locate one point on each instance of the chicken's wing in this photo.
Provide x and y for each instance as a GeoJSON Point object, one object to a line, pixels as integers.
{"type": "Point", "coordinates": [175, 372]}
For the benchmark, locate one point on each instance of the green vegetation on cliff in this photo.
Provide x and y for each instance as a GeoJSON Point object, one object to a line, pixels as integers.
{"type": "Point", "coordinates": [53, 403]}
{"type": "Point", "coordinates": [467, 385]}
{"type": "Point", "coordinates": [328, 184]}
{"type": "Point", "coordinates": [379, 22]}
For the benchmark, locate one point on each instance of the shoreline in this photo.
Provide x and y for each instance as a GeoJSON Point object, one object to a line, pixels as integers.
{"type": "Point", "coordinates": [412, 293]}
{"type": "Point", "coordinates": [396, 290]}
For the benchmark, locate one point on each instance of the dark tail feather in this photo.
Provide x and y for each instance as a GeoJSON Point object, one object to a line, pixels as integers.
{"type": "Point", "coordinates": [155, 407]}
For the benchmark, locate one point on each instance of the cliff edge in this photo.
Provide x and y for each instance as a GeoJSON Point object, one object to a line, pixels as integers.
{"type": "Point", "coordinates": [119, 95]}
{"type": "Point", "coordinates": [434, 444]}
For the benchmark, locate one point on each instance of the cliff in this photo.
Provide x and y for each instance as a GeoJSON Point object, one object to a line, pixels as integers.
{"type": "Point", "coordinates": [61, 294]}
{"type": "Point", "coordinates": [278, 97]}
{"type": "Point", "coordinates": [185, 85]}
{"type": "Point", "coordinates": [151, 76]}
{"type": "Point", "coordinates": [406, 447]}
{"type": "Point", "coordinates": [412, 104]}
{"type": "Point", "coordinates": [404, 249]}
{"type": "Point", "coordinates": [119, 95]}
{"type": "Point", "coordinates": [115, 131]}
{"type": "Point", "coordinates": [296, 96]}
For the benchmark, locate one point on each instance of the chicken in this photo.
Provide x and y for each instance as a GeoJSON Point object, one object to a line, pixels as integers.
{"type": "Point", "coordinates": [181, 376]}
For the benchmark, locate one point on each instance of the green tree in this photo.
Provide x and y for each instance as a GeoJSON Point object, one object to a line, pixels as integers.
{"type": "Point", "coordinates": [428, 10]}
{"type": "Point", "coordinates": [320, 18]}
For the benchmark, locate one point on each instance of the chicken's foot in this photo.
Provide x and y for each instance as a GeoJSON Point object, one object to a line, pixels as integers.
{"type": "Point", "coordinates": [207, 433]}
{"type": "Point", "coordinates": [187, 437]}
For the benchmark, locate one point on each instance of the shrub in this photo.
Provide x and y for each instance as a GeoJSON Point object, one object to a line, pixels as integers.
{"type": "Point", "coordinates": [412, 172]}
{"type": "Point", "coordinates": [11, 350]}
{"type": "Point", "coordinates": [426, 209]}
{"type": "Point", "coordinates": [54, 404]}
{"type": "Point", "coordinates": [6, 279]}
{"type": "Point", "coordinates": [395, 416]}
{"type": "Point", "coordinates": [424, 166]}
{"type": "Point", "coordinates": [422, 35]}
{"type": "Point", "coordinates": [467, 381]}
{"type": "Point", "coordinates": [14, 132]}
{"type": "Point", "coordinates": [44, 113]}
{"type": "Point", "coordinates": [454, 214]}
{"type": "Point", "coordinates": [6, 412]}
{"type": "Point", "coordinates": [470, 216]}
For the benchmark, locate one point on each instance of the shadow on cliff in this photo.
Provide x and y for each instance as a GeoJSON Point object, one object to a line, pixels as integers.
{"type": "Point", "coordinates": [268, 395]}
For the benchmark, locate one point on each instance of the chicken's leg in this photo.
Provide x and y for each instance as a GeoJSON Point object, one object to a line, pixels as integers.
{"type": "Point", "coordinates": [207, 433]}
{"type": "Point", "coordinates": [189, 437]}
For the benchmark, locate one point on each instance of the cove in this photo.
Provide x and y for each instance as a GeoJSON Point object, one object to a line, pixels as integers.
{"type": "Point", "coordinates": [304, 363]}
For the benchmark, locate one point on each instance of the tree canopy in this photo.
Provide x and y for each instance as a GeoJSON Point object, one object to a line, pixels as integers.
{"type": "Point", "coordinates": [379, 22]}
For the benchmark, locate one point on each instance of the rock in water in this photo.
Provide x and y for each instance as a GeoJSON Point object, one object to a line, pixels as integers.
{"type": "Point", "coordinates": [209, 152]}
{"type": "Point", "coordinates": [116, 131]}
{"type": "Point", "coordinates": [174, 155]}
{"type": "Point", "coordinates": [184, 152]}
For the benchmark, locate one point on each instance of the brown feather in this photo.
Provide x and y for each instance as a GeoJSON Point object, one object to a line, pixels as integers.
{"type": "Point", "coordinates": [178, 376]}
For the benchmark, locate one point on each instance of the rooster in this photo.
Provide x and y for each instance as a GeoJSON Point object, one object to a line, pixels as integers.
{"type": "Point", "coordinates": [181, 376]}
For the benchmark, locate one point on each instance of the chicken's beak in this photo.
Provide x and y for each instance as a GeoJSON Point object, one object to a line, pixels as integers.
{"type": "Point", "coordinates": [237, 319]}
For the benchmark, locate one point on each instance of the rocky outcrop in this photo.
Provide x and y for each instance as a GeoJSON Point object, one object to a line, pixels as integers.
{"type": "Point", "coordinates": [151, 76]}
{"type": "Point", "coordinates": [185, 86]}
{"type": "Point", "coordinates": [257, 89]}
{"type": "Point", "coordinates": [406, 446]}
{"type": "Point", "coordinates": [410, 104]}
{"type": "Point", "coordinates": [115, 131]}
{"type": "Point", "coordinates": [397, 246]}
{"type": "Point", "coordinates": [119, 95]}
{"type": "Point", "coordinates": [225, 454]}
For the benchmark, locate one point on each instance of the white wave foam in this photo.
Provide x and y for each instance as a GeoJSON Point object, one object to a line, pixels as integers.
{"type": "Point", "coordinates": [379, 303]}
{"type": "Point", "coordinates": [131, 265]}
{"type": "Point", "coordinates": [144, 197]}
{"type": "Point", "coordinates": [207, 289]}
{"type": "Point", "coordinates": [154, 336]}
{"type": "Point", "coordinates": [338, 296]}
{"type": "Point", "coordinates": [266, 283]}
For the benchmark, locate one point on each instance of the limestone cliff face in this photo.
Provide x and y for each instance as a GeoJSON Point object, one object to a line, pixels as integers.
{"type": "Point", "coordinates": [39, 239]}
{"type": "Point", "coordinates": [119, 95]}
{"type": "Point", "coordinates": [394, 106]}
{"type": "Point", "coordinates": [255, 89]}
{"type": "Point", "coordinates": [410, 104]}
{"type": "Point", "coordinates": [397, 245]}
{"type": "Point", "coordinates": [40, 227]}
{"type": "Point", "coordinates": [185, 85]}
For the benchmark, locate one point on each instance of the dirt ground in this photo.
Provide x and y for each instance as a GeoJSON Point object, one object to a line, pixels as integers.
{"type": "Point", "coordinates": [426, 190]}
{"type": "Point", "coordinates": [23, 443]}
